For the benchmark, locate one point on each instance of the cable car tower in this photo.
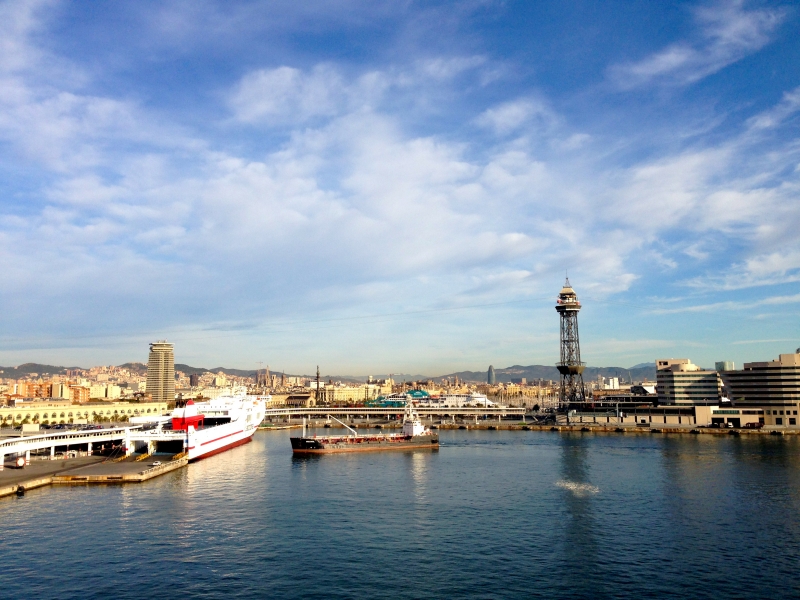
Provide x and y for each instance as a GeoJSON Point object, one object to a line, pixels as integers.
{"type": "Point", "coordinates": [570, 366]}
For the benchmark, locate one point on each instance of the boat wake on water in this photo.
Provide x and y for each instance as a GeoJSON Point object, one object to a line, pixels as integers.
{"type": "Point", "coordinates": [579, 489]}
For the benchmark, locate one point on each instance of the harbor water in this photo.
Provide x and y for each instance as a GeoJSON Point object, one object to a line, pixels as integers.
{"type": "Point", "coordinates": [491, 514]}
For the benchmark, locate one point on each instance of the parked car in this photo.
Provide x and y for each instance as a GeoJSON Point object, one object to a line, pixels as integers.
{"type": "Point", "coordinates": [757, 425]}
{"type": "Point", "coordinates": [156, 463]}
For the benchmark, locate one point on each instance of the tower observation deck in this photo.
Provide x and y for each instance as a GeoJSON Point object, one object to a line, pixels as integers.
{"type": "Point", "coordinates": [570, 366]}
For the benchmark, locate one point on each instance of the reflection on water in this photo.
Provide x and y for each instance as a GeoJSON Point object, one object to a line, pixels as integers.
{"type": "Point", "coordinates": [581, 548]}
{"type": "Point", "coordinates": [492, 514]}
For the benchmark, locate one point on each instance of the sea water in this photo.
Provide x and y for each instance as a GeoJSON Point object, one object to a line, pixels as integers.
{"type": "Point", "coordinates": [491, 514]}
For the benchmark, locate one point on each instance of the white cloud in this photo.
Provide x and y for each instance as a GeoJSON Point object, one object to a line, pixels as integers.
{"type": "Point", "coordinates": [789, 104]}
{"type": "Point", "coordinates": [290, 96]}
{"type": "Point", "coordinates": [762, 270]}
{"type": "Point", "coordinates": [510, 116]}
{"type": "Point", "coordinates": [286, 94]}
{"type": "Point", "coordinates": [443, 68]}
{"type": "Point", "coordinates": [727, 33]}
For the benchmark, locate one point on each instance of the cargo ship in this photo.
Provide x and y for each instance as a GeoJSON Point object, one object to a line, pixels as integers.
{"type": "Point", "coordinates": [414, 436]}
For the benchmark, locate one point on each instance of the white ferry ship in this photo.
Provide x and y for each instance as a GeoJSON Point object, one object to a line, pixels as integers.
{"type": "Point", "coordinates": [216, 425]}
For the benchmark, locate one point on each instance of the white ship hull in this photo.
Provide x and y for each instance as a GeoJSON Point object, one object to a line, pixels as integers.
{"type": "Point", "coordinates": [213, 440]}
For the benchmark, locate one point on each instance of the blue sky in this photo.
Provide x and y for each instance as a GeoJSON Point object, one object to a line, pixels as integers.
{"type": "Point", "coordinates": [398, 186]}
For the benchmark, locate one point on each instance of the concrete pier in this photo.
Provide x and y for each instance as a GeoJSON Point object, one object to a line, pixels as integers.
{"type": "Point", "coordinates": [84, 471]}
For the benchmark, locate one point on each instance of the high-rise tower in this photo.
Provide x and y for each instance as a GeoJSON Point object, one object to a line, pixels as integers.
{"type": "Point", "coordinates": [161, 372]}
{"type": "Point", "coordinates": [570, 365]}
{"type": "Point", "coordinates": [490, 378]}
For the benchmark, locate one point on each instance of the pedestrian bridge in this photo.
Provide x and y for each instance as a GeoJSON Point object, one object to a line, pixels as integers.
{"type": "Point", "coordinates": [31, 443]}
{"type": "Point", "coordinates": [128, 438]}
{"type": "Point", "coordinates": [358, 411]}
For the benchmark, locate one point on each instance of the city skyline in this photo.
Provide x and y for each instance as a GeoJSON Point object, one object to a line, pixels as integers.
{"type": "Point", "coordinates": [376, 187]}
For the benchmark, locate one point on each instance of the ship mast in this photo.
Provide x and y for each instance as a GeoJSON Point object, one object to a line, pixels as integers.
{"type": "Point", "coordinates": [316, 397]}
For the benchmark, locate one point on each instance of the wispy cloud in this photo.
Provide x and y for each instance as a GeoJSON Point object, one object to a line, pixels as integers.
{"type": "Point", "coordinates": [728, 305]}
{"type": "Point", "coordinates": [771, 341]}
{"type": "Point", "coordinates": [789, 105]}
{"type": "Point", "coordinates": [776, 268]}
{"type": "Point", "coordinates": [727, 32]}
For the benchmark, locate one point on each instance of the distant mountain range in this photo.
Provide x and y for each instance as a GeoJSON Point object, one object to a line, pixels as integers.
{"type": "Point", "coordinates": [141, 368]}
{"type": "Point", "coordinates": [26, 369]}
{"type": "Point", "coordinates": [546, 372]}
{"type": "Point", "coordinates": [638, 372]}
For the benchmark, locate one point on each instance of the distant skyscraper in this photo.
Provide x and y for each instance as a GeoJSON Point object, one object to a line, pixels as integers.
{"type": "Point", "coordinates": [491, 379]}
{"type": "Point", "coordinates": [194, 379]}
{"type": "Point", "coordinates": [161, 372]}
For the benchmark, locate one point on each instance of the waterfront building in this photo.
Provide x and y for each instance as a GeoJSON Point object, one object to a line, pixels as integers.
{"type": "Point", "coordinates": [773, 386]}
{"type": "Point", "coordinates": [678, 381]}
{"type": "Point", "coordinates": [44, 411]}
{"type": "Point", "coordinates": [161, 372]}
{"type": "Point", "coordinates": [491, 379]}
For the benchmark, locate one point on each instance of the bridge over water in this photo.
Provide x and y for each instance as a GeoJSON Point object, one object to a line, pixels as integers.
{"type": "Point", "coordinates": [354, 411]}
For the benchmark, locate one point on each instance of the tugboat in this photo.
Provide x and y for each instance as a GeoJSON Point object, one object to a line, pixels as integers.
{"type": "Point", "coordinates": [415, 435]}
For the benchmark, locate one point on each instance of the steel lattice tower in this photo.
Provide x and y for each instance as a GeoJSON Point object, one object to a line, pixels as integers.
{"type": "Point", "coordinates": [570, 365]}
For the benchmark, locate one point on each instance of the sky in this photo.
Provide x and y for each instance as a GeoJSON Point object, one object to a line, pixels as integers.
{"type": "Point", "coordinates": [398, 186]}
